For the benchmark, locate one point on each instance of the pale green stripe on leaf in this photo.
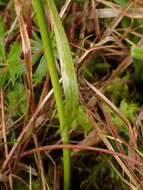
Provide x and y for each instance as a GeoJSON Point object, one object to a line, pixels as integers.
{"type": "Point", "coordinates": [67, 67]}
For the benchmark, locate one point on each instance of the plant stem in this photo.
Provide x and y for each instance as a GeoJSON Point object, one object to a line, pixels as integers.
{"type": "Point", "coordinates": [56, 87]}
{"type": "Point", "coordinates": [50, 58]}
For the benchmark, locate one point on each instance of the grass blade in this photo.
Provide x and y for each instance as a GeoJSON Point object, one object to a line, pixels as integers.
{"type": "Point", "coordinates": [67, 67]}
{"type": "Point", "coordinates": [69, 85]}
{"type": "Point", "coordinates": [68, 76]}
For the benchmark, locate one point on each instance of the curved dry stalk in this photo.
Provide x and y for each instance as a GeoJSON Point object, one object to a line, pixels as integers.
{"type": "Point", "coordinates": [69, 146]}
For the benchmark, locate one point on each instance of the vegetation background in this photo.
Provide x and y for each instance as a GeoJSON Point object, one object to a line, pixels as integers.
{"type": "Point", "coordinates": [71, 75]}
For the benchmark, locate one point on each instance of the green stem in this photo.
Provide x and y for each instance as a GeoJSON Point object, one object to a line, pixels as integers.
{"type": "Point", "coordinates": [66, 160]}
{"type": "Point", "coordinates": [50, 57]}
{"type": "Point", "coordinates": [56, 87]}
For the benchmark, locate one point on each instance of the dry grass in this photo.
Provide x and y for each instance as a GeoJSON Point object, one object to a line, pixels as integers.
{"type": "Point", "coordinates": [93, 32]}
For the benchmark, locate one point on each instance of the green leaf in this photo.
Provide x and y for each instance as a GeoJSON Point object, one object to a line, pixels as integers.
{"type": "Point", "coordinates": [138, 70]}
{"type": "Point", "coordinates": [2, 28]}
{"type": "Point", "coordinates": [79, 1]}
{"type": "Point", "coordinates": [3, 79]}
{"type": "Point", "coordinates": [36, 45]}
{"type": "Point", "coordinates": [83, 120]}
{"type": "Point", "coordinates": [67, 67]}
{"type": "Point", "coordinates": [41, 71]}
{"type": "Point", "coordinates": [121, 2]}
{"type": "Point", "coordinates": [2, 44]}
{"type": "Point", "coordinates": [137, 52]}
{"type": "Point", "coordinates": [59, 3]}
{"type": "Point", "coordinates": [12, 61]}
{"type": "Point", "coordinates": [35, 185]}
{"type": "Point", "coordinates": [129, 110]}
{"type": "Point", "coordinates": [2, 50]}
{"type": "Point", "coordinates": [17, 100]}
{"type": "Point", "coordinates": [2, 3]}
{"type": "Point", "coordinates": [118, 89]}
